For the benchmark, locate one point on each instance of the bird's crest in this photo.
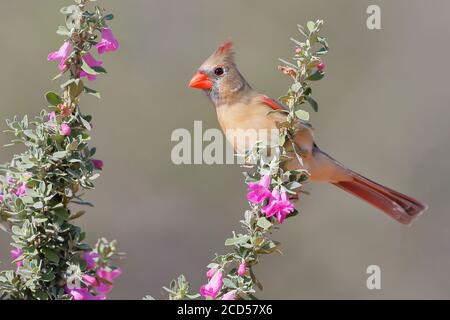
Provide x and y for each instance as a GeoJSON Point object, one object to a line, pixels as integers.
{"type": "Point", "coordinates": [223, 55]}
{"type": "Point", "coordinates": [225, 48]}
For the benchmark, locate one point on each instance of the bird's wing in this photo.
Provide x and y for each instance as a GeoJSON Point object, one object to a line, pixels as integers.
{"type": "Point", "coordinates": [272, 103]}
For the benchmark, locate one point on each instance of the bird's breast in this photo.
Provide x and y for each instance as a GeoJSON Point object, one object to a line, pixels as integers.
{"type": "Point", "coordinates": [244, 125]}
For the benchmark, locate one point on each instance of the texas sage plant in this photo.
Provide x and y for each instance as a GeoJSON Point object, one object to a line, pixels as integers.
{"type": "Point", "coordinates": [271, 187]}
{"type": "Point", "coordinates": [41, 188]}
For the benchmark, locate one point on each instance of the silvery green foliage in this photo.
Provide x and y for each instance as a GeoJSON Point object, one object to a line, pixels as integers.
{"type": "Point", "coordinates": [54, 170]}
{"type": "Point", "coordinates": [255, 239]}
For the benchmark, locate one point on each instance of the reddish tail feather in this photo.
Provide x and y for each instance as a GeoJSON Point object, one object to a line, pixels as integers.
{"type": "Point", "coordinates": [401, 207]}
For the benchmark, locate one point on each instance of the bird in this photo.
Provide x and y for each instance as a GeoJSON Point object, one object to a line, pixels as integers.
{"type": "Point", "coordinates": [240, 107]}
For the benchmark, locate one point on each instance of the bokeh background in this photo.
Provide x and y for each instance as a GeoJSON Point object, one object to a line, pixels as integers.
{"type": "Point", "coordinates": [384, 112]}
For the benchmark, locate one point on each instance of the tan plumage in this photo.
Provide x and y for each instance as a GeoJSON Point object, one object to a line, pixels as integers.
{"type": "Point", "coordinates": [239, 107]}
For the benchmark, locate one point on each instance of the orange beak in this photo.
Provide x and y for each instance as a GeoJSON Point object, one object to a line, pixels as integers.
{"type": "Point", "coordinates": [200, 81]}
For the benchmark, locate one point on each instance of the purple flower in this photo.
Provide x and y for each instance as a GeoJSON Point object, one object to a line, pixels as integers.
{"type": "Point", "coordinates": [89, 280]}
{"type": "Point", "coordinates": [106, 279]}
{"type": "Point", "coordinates": [230, 295]}
{"type": "Point", "coordinates": [90, 258]}
{"type": "Point", "coordinates": [212, 288]}
{"type": "Point", "coordinates": [22, 190]}
{"type": "Point", "coordinates": [62, 54]}
{"type": "Point", "coordinates": [258, 192]}
{"type": "Point", "coordinates": [211, 272]}
{"type": "Point", "coordinates": [83, 294]}
{"type": "Point", "coordinates": [98, 164]}
{"type": "Point", "coordinates": [89, 59]}
{"type": "Point", "coordinates": [242, 270]}
{"type": "Point", "coordinates": [16, 253]}
{"type": "Point", "coordinates": [52, 116]}
{"type": "Point", "coordinates": [65, 129]}
{"type": "Point", "coordinates": [279, 206]}
{"type": "Point", "coordinates": [10, 180]}
{"type": "Point", "coordinates": [108, 42]}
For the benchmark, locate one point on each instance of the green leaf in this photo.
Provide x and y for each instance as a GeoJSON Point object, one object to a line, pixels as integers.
{"type": "Point", "coordinates": [296, 87]}
{"type": "Point", "coordinates": [86, 123]}
{"type": "Point", "coordinates": [237, 240]}
{"type": "Point", "coordinates": [302, 115]}
{"type": "Point", "coordinates": [264, 223]}
{"type": "Point", "coordinates": [99, 70]}
{"type": "Point", "coordinates": [92, 92]}
{"type": "Point", "coordinates": [311, 26]}
{"type": "Point", "coordinates": [75, 89]}
{"type": "Point", "coordinates": [59, 155]}
{"type": "Point", "coordinates": [109, 17]}
{"type": "Point", "coordinates": [313, 103]}
{"type": "Point", "coordinates": [63, 31]}
{"type": "Point", "coordinates": [228, 283]}
{"type": "Point", "coordinates": [51, 255]}
{"type": "Point", "coordinates": [87, 68]}
{"type": "Point", "coordinates": [316, 76]}
{"type": "Point", "coordinates": [53, 98]}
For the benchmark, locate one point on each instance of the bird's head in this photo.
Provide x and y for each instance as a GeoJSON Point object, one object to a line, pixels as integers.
{"type": "Point", "coordinates": [218, 75]}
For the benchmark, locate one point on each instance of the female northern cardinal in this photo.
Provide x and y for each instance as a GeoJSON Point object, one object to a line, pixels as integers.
{"type": "Point", "coordinates": [239, 107]}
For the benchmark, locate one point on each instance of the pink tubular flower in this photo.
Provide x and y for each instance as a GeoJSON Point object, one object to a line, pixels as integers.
{"type": "Point", "coordinates": [51, 116]}
{"type": "Point", "coordinates": [22, 190]}
{"type": "Point", "coordinates": [211, 272]}
{"type": "Point", "coordinates": [83, 294]}
{"type": "Point", "coordinates": [108, 277]}
{"type": "Point", "coordinates": [321, 66]}
{"type": "Point", "coordinates": [65, 129]}
{"type": "Point", "coordinates": [89, 280]}
{"type": "Point", "coordinates": [62, 54]}
{"type": "Point", "coordinates": [258, 192]}
{"type": "Point", "coordinates": [98, 164]}
{"type": "Point", "coordinates": [212, 288]}
{"type": "Point", "coordinates": [242, 270]}
{"type": "Point", "coordinates": [231, 295]}
{"type": "Point", "coordinates": [16, 253]}
{"type": "Point", "coordinates": [90, 258]}
{"type": "Point", "coordinates": [108, 42]}
{"type": "Point", "coordinates": [298, 50]}
{"type": "Point", "coordinates": [92, 62]}
{"type": "Point", "coordinates": [279, 205]}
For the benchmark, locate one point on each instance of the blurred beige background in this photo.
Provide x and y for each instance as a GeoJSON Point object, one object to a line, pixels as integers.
{"type": "Point", "coordinates": [384, 112]}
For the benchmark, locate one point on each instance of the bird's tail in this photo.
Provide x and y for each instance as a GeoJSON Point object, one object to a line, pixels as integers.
{"type": "Point", "coordinates": [401, 207]}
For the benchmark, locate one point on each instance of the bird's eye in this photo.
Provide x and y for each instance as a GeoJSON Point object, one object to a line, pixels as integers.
{"type": "Point", "coordinates": [218, 71]}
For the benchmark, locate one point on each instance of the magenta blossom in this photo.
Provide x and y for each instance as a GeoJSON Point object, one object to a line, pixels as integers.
{"type": "Point", "coordinates": [10, 180]}
{"type": "Point", "coordinates": [16, 253]}
{"type": "Point", "coordinates": [22, 190]}
{"type": "Point", "coordinates": [211, 272]}
{"type": "Point", "coordinates": [89, 280]}
{"type": "Point", "coordinates": [98, 164]}
{"type": "Point", "coordinates": [212, 288]}
{"type": "Point", "coordinates": [242, 270]}
{"type": "Point", "coordinates": [91, 62]}
{"type": "Point", "coordinates": [279, 206]}
{"type": "Point", "coordinates": [62, 54]}
{"type": "Point", "coordinates": [90, 258]}
{"type": "Point", "coordinates": [51, 116]}
{"type": "Point", "coordinates": [83, 294]}
{"type": "Point", "coordinates": [258, 192]}
{"type": "Point", "coordinates": [65, 129]}
{"type": "Point", "coordinates": [321, 66]}
{"type": "Point", "coordinates": [230, 295]}
{"type": "Point", "coordinates": [106, 279]}
{"type": "Point", "coordinates": [108, 42]}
